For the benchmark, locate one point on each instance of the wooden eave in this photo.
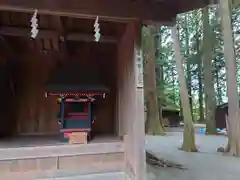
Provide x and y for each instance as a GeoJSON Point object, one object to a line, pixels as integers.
{"type": "Point", "coordinates": [188, 5]}
{"type": "Point", "coordinates": [122, 10]}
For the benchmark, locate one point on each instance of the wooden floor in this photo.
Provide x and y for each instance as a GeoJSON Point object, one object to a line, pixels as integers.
{"type": "Point", "coordinates": [47, 140]}
{"type": "Point", "coordinates": [27, 147]}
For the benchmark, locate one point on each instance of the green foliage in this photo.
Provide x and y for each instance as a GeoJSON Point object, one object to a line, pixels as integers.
{"type": "Point", "coordinates": [190, 27]}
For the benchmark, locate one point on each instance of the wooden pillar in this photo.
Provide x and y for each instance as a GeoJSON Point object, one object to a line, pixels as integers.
{"type": "Point", "coordinates": [131, 101]}
{"type": "Point", "coordinates": [139, 120]}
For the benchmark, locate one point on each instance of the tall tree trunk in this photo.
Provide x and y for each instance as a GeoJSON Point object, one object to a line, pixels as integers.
{"type": "Point", "coordinates": [217, 72]}
{"type": "Point", "coordinates": [199, 73]}
{"type": "Point", "coordinates": [189, 134]}
{"type": "Point", "coordinates": [233, 98]}
{"type": "Point", "coordinates": [189, 74]}
{"type": "Point", "coordinates": [200, 93]}
{"type": "Point", "coordinates": [153, 125]}
{"type": "Point", "coordinates": [181, 108]}
{"type": "Point", "coordinates": [207, 73]}
{"type": "Point", "coordinates": [219, 88]}
{"type": "Point", "coordinates": [159, 72]}
{"type": "Point", "coordinates": [173, 85]}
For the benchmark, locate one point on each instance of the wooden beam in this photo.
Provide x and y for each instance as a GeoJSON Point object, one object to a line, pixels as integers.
{"type": "Point", "coordinates": [113, 10]}
{"type": "Point", "coordinates": [188, 5]}
{"type": "Point", "coordinates": [25, 32]}
{"type": "Point", "coordinates": [53, 34]}
{"type": "Point", "coordinates": [90, 38]}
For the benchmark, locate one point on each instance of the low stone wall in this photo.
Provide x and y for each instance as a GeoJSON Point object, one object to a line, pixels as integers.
{"type": "Point", "coordinates": [86, 163]}
{"type": "Point", "coordinates": [83, 163]}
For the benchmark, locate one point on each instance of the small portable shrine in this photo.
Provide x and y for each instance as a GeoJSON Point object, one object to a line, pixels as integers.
{"type": "Point", "coordinates": [76, 113]}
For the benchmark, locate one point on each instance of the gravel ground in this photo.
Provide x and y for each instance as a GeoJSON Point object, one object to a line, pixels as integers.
{"type": "Point", "coordinates": [204, 165]}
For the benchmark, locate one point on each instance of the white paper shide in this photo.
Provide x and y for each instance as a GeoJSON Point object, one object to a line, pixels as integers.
{"type": "Point", "coordinates": [34, 25]}
{"type": "Point", "coordinates": [139, 68]}
{"type": "Point", "coordinates": [97, 34]}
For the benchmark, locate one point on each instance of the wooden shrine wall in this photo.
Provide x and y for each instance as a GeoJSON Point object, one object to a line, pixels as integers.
{"type": "Point", "coordinates": [27, 111]}
{"type": "Point", "coordinates": [6, 98]}
{"type": "Point", "coordinates": [34, 112]}
{"type": "Point", "coordinates": [99, 59]}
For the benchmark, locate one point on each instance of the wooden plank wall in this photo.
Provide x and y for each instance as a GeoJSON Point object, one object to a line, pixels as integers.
{"type": "Point", "coordinates": [35, 113]}
{"type": "Point", "coordinates": [6, 97]}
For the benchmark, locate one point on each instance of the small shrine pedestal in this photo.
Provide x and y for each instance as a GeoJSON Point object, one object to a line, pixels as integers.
{"type": "Point", "coordinates": [78, 138]}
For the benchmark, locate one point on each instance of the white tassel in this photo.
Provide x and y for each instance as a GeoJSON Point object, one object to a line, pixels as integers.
{"type": "Point", "coordinates": [34, 25]}
{"type": "Point", "coordinates": [97, 34]}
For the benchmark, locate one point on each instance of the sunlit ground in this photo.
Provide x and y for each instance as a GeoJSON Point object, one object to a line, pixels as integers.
{"type": "Point", "coordinates": [204, 165]}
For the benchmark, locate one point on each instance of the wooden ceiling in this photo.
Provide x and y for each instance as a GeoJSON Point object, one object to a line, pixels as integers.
{"type": "Point", "coordinates": [55, 30]}
{"type": "Point", "coordinates": [188, 5]}
{"type": "Point", "coordinates": [18, 24]}
{"type": "Point", "coordinates": [123, 10]}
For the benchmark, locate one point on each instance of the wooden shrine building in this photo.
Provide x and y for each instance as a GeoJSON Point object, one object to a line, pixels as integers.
{"type": "Point", "coordinates": [221, 115]}
{"type": "Point", "coordinates": [171, 117]}
{"type": "Point", "coordinates": [98, 85]}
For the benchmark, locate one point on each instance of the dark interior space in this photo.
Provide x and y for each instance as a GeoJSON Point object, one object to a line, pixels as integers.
{"type": "Point", "coordinates": [26, 65]}
{"type": "Point", "coordinates": [25, 71]}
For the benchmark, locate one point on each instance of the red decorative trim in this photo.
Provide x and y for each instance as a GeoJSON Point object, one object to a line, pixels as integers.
{"type": "Point", "coordinates": [66, 134]}
{"type": "Point", "coordinates": [74, 130]}
{"type": "Point", "coordinates": [77, 118]}
{"type": "Point", "coordinates": [78, 113]}
{"type": "Point", "coordinates": [73, 94]}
